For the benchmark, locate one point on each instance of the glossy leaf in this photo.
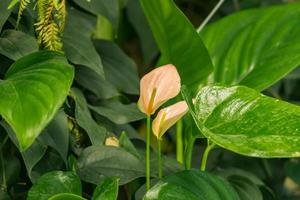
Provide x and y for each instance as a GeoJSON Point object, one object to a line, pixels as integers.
{"type": "Point", "coordinates": [244, 121]}
{"type": "Point", "coordinates": [78, 46]}
{"type": "Point", "coordinates": [178, 41]}
{"type": "Point", "coordinates": [119, 69]}
{"type": "Point", "coordinates": [16, 44]}
{"type": "Point", "coordinates": [191, 185]}
{"type": "Point", "coordinates": [98, 162]}
{"type": "Point", "coordinates": [107, 189]}
{"type": "Point", "coordinates": [66, 196]}
{"type": "Point", "coordinates": [32, 91]}
{"type": "Point", "coordinates": [255, 48]}
{"type": "Point", "coordinates": [117, 112]}
{"type": "Point", "coordinates": [84, 119]}
{"type": "Point", "coordinates": [53, 183]}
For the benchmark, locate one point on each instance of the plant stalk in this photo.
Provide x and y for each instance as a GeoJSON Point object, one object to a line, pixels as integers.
{"type": "Point", "coordinates": [148, 138]}
{"type": "Point", "coordinates": [179, 140]}
{"type": "Point", "coordinates": [189, 153]}
{"type": "Point", "coordinates": [159, 163]}
{"type": "Point", "coordinates": [205, 155]}
{"type": "Point", "coordinates": [210, 15]}
{"type": "Point", "coordinates": [4, 185]}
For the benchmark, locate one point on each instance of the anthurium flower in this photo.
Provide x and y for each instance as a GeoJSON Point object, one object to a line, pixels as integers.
{"type": "Point", "coordinates": [167, 117]}
{"type": "Point", "coordinates": [157, 87]}
{"type": "Point", "coordinates": [112, 141]}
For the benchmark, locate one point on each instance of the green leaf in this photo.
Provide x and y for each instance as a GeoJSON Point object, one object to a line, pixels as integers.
{"type": "Point", "coordinates": [120, 69]}
{"type": "Point", "coordinates": [87, 78]}
{"type": "Point", "coordinates": [98, 162]}
{"type": "Point", "coordinates": [84, 119]}
{"type": "Point", "coordinates": [54, 182]}
{"type": "Point", "coordinates": [66, 196]}
{"type": "Point", "coordinates": [178, 40]}
{"type": "Point", "coordinates": [32, 91]}
{"type": "Point", "coordinates": [117, 112]}
{"type": "Point", "coordinates": [102, 7]}
{"type": "Point", "coordinates": [56, 135]}
{"type": "Point", "coordinates": [107, 189]}
{"type": "Point", "coordinates": [126, 143]}
{"type": "Point", "coordinates": [191, 185]}
{"type": "Point", "coordinates": [78, 46]}
{"type": "Point", "coordinates": [255, 48]}
{"type": "Point", "coordinates": [5, 12]}
{"type": "Point", "coordinates": [16, 44]}
{"type": "Point", "coordinates": [138, 20]}
{"type": "Point", "coordinates": [244, 121]}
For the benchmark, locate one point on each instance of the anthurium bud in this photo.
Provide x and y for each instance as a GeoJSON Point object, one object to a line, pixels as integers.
{"type": "Point", "coordinates": [167, 117]}
{"type": "Point", "coordinates": [112, 141]}
{"type": "Point", "coordinates": [157, 87]}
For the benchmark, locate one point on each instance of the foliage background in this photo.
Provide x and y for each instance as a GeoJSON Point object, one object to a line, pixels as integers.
{"type": "Point", "coordinates": [124, 48]}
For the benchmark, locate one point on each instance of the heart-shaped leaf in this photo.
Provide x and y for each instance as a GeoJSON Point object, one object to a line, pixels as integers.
{"type": "Point", "coordinates": [53, 183]}
{"type": "Point", "coordinates": [244, 121]}
{"type": "Point", "coordinates": [255, 48]}
{"type": "Point", "coordinates": [178, 40]}
{"type": "Point", "coordinates": [191, 185]}
{"type": "Point", "coordinates": [32, 91]}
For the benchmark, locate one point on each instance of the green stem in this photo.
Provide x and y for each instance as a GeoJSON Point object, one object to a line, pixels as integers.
{"type": "Point", "coordinates": [205, 155]}
{"type": "Point", "coordinates": [189, 153]}
{"type": "Point", "coordinates": [159, 163]}
{"type": "Point", "coordinates": [148, 135]}
{"type": "Point", "coordinates": [4, 185]}
{"type": "Point", "coordinates": [179, 140]}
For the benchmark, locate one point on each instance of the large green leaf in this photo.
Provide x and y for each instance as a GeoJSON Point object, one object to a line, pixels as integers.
{"type": "Point", "coordinates": [97, 162]}
{"type": "Point", "coordinates": [55, 182]}
{"type": "Point", "coordinates": [178, 41]}
{"type": "Point", "coordinates": [244, 121]}
{"type": "Point", "coordinates": [255, 48]}
{"type": "Point", "coordinates": [119, 69]}
{"type": "Point", "coordinates": [16, 44]}
{"type": "Point", "coordinates": [117, 112]}
{"type": "Point", "coordinates": [191, 185]}
{"type": "Point", "coordinates": [32, 91]}
{"type": "Point", "coordinates": [78, 46]}
{"type": "Point", "coordinates": [107, 189]}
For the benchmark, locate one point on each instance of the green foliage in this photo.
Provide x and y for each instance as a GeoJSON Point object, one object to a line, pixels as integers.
{"type": "Point", "coordinates": [24, 88]}
{"type": "Point", "coordinates": [255, 48]}
{"type": "Point", "coordinates": [239, 119]}
{"type": "Point", "coordinates": [178, 41]}
{"type": "Point", "coordinates": [107, 189]}
{"type": "Point", "coordinates": [53, 138]}
{"type": "Point", "coordinates": [53, 183]}
{"type": "Point", "coordinates": [191, 185]}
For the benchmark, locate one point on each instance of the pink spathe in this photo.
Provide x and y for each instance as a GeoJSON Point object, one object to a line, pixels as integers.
{"type": "Point", "coordinates": [167, 117]}
{"type": "Point", "coordinates": [157, 87]}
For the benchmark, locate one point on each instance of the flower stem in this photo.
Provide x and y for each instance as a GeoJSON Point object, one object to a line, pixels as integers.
{"type": "Point", "coordinates": [179, 140]}
{"type": "Point", "coordinates": [148, 135]}
{"type": "Point", "coordinates": [189, 153]}
{"type": "Point", "coordinates": [159, 163]}
{"type": "Point", "coordinates": [205, 155]}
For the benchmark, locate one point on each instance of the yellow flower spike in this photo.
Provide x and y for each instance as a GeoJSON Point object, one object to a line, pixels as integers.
{"type": "Point", "coordinates": [112, 141]}
{"type": "Point", "coordinates": [157, 87]}
{"type": "Point", "coordinates": [167, 117]}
